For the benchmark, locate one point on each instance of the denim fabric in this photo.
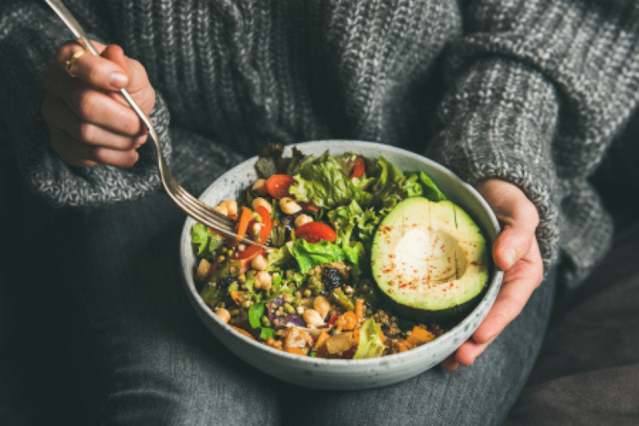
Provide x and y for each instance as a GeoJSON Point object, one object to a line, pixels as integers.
{"type": "Point", "coordinates": [144, 357]}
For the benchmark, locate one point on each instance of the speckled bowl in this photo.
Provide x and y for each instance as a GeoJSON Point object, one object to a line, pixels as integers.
{"type": "Point", "coordinates": [346, 374]}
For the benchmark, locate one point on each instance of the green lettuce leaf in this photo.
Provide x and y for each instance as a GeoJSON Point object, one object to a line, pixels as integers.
{"type": "Point", "coordinates": [430, 190]}
{"type": "Point", "coordinates": [207, 241]}
{"type": "Point", "coordinates": [419, 184]}
{"type": "Point", "coordinates": [267, 332]}
{"type": "Point", "coordinates": [277, 259]}
{"type": "Point", "coordinates": [388, 180]}
{"type": "Point", "coordinates": [370, 344]}
{"type": "Point", "coordinates": [344, 221]}
{"type": "Point", "coordinates": [310, 255]}
{"type": "Point", "coordinates": [367, 225]}
{"type": "Point", "coordinates": [255, 313]}
{"type": "Point", "coordinates": [412, 186]}
{"type": "Point", "coordinates": [352, 221]}
{"type": "Point", "coordinates": [272, 162]}
{"type": "Point", "coordinates": [322, 182]}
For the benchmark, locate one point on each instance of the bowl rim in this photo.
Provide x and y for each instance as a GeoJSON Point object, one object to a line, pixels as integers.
{"type": "Point", "coordinates": [496, 281]}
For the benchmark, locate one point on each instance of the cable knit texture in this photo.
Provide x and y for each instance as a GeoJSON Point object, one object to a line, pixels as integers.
{"type": "Point", "coordinates": [527, 91]}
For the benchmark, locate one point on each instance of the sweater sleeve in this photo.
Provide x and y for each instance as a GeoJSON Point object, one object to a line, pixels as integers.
{"type": "Point", "coordinates": [29, 34]}
{"type": "Point", "coordinates": [537, 91]}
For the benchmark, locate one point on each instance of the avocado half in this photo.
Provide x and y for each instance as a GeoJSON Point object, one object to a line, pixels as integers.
{"type": "Point", "coordinates": [430, 260]}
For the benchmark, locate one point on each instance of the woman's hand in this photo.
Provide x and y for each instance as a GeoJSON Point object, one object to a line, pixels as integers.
{"type": "Point", "coordinates": [516, 252]}
{"type": "Point", "coordinates": [89, 122]}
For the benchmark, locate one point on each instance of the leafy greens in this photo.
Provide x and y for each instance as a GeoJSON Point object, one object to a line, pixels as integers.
{"type": "Point", "coordinates": [370, 344]}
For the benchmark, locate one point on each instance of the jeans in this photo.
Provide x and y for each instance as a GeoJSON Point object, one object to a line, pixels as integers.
{"type": "Point", "coordinates": [144, 358]}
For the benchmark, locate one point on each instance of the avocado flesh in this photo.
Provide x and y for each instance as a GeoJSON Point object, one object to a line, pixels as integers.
{"type": "Point", "coordinates": [430, 260]}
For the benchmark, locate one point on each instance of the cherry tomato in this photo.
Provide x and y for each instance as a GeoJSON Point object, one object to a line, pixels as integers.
{"type": "Point", "coordinates": [249, 253]}
{"type": "Point", "coordinates": [333, 319]}
{"type": "Point", "coordinates": [215, 232]}
{"type": "Point", "coordinates": [359, 168]}
{"type": "Point", "coordinates": [308, 207]}
{"type": "Point", "coordinates": [278, 185]}
{"type": "Point", "coordinates": [316, 231]}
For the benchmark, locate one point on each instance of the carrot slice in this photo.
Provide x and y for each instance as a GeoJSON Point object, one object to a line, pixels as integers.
{"type": "Point", "coordinates": [321, 339]}
{"type": "Point", "coordinates": [419, 336]}
{"type": "Point", "coordinates": [294, 350]}
{"type": "Point", "coordinates": [356, 335]}
{"type": "Point", "coordinates": [273, 343]}
{"type": "Point", "coordinates": [243, 332]}
{"type": "Point", "coordinates": [237, 296]}
{"type": "Point", "coordinates": [351, 320]}
{"type": "Point", "coordinates": [242, 225]}
{"type": "Point", "coordinates": [403, 345]}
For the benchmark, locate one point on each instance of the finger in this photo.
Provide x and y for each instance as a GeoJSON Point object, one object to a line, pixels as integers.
{"type": "Point", "coordinates": [79, 154]}
{"type": "Point", "coordinates": [517, 287]}
{"type": "Point", "coordinates": [94, 106]}
{"type": "Point", "coordinates": [450, 363]}
{"type": "Point", "coordinates": [58, 114]}
{"type": "Point", "coordinates": [468, 352]}
{"type": "Point", "coordinates": [69, 151]}
{"type": "Point", "coordinates": [95, 70]}
{"type": "Point", "coordinates": [139, 84]}
{"type": "Point", "coordinates": [512, 244]}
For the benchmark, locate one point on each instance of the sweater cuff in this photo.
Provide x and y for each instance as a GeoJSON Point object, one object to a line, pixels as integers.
{"type": "Point", "coordinates": [66, 185]}
{"type": "Point", "coordinates": [498, 122]}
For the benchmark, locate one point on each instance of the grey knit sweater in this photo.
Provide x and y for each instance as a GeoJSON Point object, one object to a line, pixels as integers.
{"type": "Point", "coordinates": [530, 91]}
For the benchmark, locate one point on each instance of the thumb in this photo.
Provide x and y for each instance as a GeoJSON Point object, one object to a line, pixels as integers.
{"type": "Point", "coordinates": [138, 79]}
{"type": "Point", "coordinates": [115, 53]}
{"type": "Point", "coordinates": [513, 243]}
{"type": "Point", "coordinates": [139, 86]}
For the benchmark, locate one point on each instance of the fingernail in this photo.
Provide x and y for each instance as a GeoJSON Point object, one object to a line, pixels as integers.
{"type": "Point", "coordinates": [510, 256]}
{"type": "Point", "coordinates": [118, 80]}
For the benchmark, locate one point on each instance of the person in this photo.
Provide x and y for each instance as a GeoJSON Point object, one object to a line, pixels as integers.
{"type": "Point", "coordinates": [519, 98]}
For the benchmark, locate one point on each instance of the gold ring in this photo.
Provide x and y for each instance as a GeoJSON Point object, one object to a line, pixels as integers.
{"type": "Point", "coordinates": [71, 62]}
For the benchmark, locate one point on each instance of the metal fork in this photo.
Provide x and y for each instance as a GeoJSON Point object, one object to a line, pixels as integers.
{"type": "Point", "coordinates": [187, 202]}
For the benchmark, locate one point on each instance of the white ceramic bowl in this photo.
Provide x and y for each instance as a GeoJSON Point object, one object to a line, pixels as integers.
{"type": "Point", "coordinates": [346, 374]}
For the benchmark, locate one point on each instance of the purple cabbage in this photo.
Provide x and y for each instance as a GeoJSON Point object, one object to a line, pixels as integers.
{"type": "Point", "coordinates": [272, 307]}
{"type": "Point", "coordinates": [283, 321]}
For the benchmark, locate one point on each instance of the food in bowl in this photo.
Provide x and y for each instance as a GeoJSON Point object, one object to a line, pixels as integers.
{"type": "Point", "coordinates": [363, 260]}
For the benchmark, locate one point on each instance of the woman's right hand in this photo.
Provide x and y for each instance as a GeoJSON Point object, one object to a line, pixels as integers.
{"type": "Point", "coordinates": [89, 121]}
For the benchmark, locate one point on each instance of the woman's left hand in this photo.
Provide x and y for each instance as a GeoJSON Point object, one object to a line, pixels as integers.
{"type": "Point", "coordinates": [516, 252]}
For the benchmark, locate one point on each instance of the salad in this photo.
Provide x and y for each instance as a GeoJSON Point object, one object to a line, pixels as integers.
{"type": "Point", "coordinates": [353, 267]}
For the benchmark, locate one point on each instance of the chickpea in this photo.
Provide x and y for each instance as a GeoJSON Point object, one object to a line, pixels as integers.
{"type": "Point", "coordinates": [302, 220]}
{"type": "Point", "coordinates": [257, 229]}
{"type": "Point", "coordinates": [263, 280]}
{"type": "Point", "coordinates": [223, 314]}
{"type": "Point", "coordinates": [203, 270]}
{"type": "Point", "coordinates": [289, 206]}
{"type": "Point", "coordinates": [260, 187]}
{"type": "Point", "coordinates": [221, 209]}
{"type": "Point", "coordinates": [231, 207]}
{"type": "Point", "coordinates": [300, 310]}
{"type": "Point", "coordinates": [312, 318]}
{"type": "Point", "coordinates": [322, 306]}
{"type": "Point", "coordinates": [259, 263]}
{"type": "Point", "coordinates": [259, 201]}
